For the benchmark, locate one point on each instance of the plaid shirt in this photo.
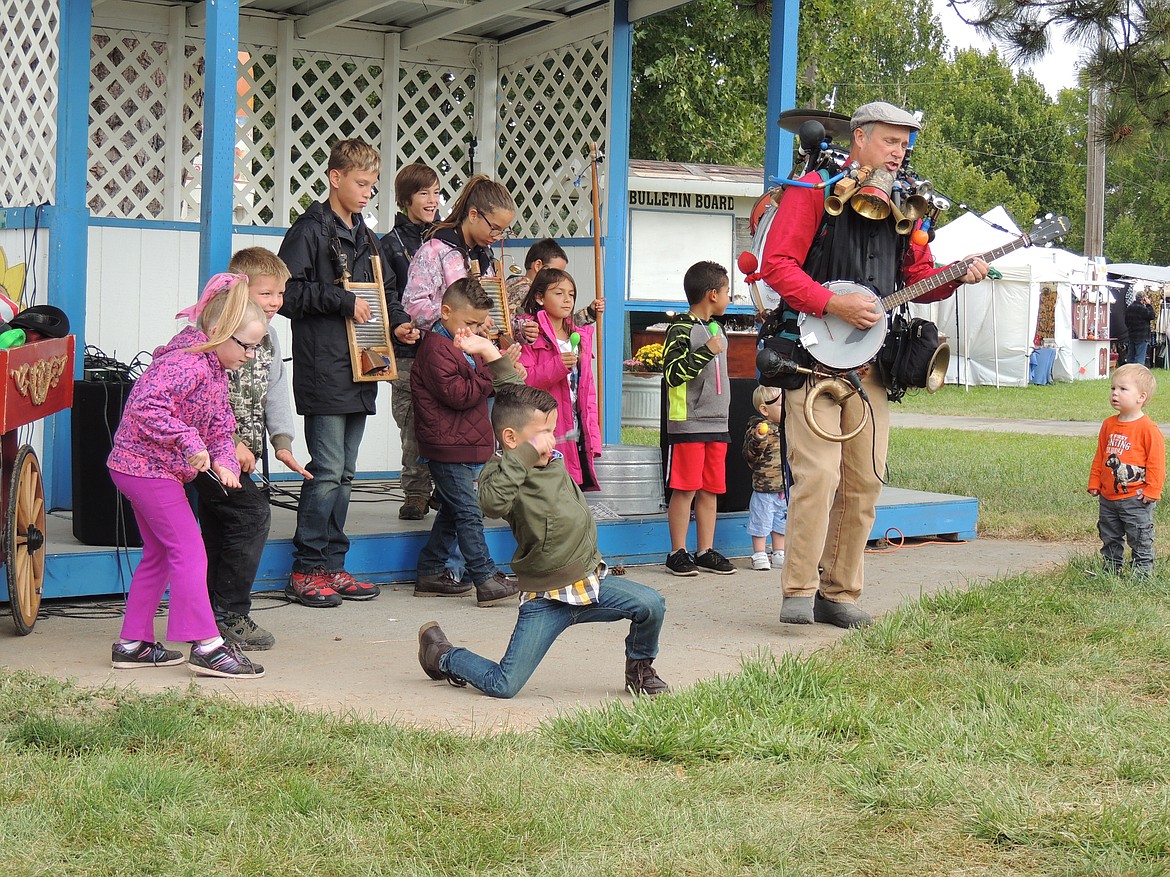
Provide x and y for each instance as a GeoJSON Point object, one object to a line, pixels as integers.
{"type": "Point", "coordinates": [581, 593]}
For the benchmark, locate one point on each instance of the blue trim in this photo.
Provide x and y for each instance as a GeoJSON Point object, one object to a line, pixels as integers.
{"type": "Point", "coordinates": [23, 217]}
{"type": "Point", "coordinates": [781, 87]}
{"type": "Point", "coordinates": [390, 557]}
{"type": "Point", "coordinates": [661, 306]}
{"type": "Point", "coordinates": [68, 227]}
{"type": "Point", "coordinates": [617, 212]}
{"type": "Point", "coordinates": [525, 243]}
{"type": "Point", "coordinates": [259, 229]}
{"type": "Point", "coordinates": [219, 137]}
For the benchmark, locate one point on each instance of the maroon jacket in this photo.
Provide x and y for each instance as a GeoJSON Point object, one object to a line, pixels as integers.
{"type": "Point", "coordinates": [451, 421]}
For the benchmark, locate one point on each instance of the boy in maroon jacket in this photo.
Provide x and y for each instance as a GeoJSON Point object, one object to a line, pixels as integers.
{"type": "Point", "coordinates": [450, 383]}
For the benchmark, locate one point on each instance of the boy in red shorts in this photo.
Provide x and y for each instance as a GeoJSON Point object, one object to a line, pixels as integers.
{"type": "Point", "coordinates": [699, 395]}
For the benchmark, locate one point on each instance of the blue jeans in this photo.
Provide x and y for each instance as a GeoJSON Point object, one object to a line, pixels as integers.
{"type": "Point", "coordinates": [1122, 520]}
{"type": "Point", "coordinates": [1137, 351]}
{"type": "Point", "coordinates": [320, 541]}
{"type": "Point", "coordinates": [458, 527]}
{"type": "Point", "coordinates": [541, 621]}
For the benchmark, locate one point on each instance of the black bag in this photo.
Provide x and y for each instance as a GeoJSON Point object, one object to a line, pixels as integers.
{"type": "Point", "coordinates": [905, 357]}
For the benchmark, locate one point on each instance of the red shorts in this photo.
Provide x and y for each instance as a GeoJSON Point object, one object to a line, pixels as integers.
{"type": "Point", "coordinates": [699, 466]}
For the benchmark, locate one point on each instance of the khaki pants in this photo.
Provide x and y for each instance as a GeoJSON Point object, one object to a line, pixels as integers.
{"type": "Point", "coordinates": [831, 507]}
{"type": "Point", "coordinates": [416, 477]}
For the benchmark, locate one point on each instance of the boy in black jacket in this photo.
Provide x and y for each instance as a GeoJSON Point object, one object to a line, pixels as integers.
{"type": "Point", "coordinates": [328, 239]}
{"type": "Point", "coordinates": [416, 191]}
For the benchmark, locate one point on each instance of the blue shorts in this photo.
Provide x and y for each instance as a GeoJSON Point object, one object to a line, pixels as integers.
{"type": "Point", "coordinates": [767, 514]}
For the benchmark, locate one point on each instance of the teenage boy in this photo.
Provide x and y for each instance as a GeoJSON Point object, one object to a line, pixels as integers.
{"type": "Point", "coordinates": [452, 381]}
{"type": "Point", "coordinates": [694, 364]}
{"type": "Point", "coordinates": [327, 242]}
{"type": "Point", "coordinates": [416, 191]}
{"type": "Point", "coordinates": [542, 254]}
{"type": "Point", "coordinates": [562, 577]}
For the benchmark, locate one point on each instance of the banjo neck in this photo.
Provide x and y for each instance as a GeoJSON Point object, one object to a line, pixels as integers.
{"type": "Point", "coordinates": [951, 273]}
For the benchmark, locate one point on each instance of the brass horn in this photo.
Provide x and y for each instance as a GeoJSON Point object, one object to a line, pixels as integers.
{"type": "Point", "coordinates": [917, 205]}
{"type": "Point", "coordinates": [842, 192]}
{"type": "Point", "coordinates": [936, 372]}
{"type": "Point", "coordinates": [902, 223]}
{"type": "Point", "coordinates": [873, 199]}
{"type": "Point", "coordinates": [839, 390]}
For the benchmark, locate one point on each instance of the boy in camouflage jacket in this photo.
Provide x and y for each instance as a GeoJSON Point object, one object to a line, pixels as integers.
{"type": "Point", "coordinates": [764, 452]}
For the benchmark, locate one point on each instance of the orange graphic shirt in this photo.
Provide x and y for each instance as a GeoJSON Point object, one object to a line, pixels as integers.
{"type": "Point", "coordinates": [1130, 460]}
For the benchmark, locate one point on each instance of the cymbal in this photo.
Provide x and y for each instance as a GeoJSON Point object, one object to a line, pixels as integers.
{"type": "Point", "coordinates": [836, 125]}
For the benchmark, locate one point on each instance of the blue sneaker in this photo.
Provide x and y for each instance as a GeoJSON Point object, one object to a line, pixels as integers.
{"type": "Point", "coordinates": [224, 660]}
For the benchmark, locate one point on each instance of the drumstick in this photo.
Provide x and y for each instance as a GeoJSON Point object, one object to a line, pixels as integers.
{"type": "Point", "coordinates": [713, 328]}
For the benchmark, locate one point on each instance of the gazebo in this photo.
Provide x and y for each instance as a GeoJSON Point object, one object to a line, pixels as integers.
{"type": "Point", "coordinates": [145, 141]}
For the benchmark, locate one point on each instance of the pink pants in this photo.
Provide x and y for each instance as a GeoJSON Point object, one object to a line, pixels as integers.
{"type": "Point", "coordinates": [172, 554]}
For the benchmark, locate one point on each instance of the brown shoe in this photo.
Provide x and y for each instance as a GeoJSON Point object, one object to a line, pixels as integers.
{"type": "Point", "coordinates": [641, 678]}
{"type": "Point", "coordinates": [442, 585]}
{"type": "Point", "coordinates": [498, 589]}
{"type": "Point", "coordinates": [414, 508]}
{"type": "Point", "coordinates": [432, 645]}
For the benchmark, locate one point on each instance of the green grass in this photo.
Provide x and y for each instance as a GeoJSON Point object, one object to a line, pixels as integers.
{"type": "Point", "coordinates": [1077, 400]}
{"type": "Point", "coordinates": [1018, 729]}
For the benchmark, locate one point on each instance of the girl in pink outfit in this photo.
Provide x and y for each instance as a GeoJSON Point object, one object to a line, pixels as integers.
{"type": "Point", "coordinates": [178, 426]}
{"type": "Point", "coordinates": [479, 217]}
{"type": "Point", "coordinates": [563, 365]}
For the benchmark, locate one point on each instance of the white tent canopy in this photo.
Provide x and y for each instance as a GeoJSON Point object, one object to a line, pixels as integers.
{"type": "Point", "coordinates": [991, 326]}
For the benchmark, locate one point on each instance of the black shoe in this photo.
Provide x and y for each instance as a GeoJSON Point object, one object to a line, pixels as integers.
{"type": "Point", "coordinates": [225, 660]}
{"type": "Point", "coordinates": [681, 563]}
{"type": "Point", "coordinates": [498, 589]}
{"type": "Point", "coordinates": [432, 645]}
{"type": "Point", "coordinates": [641, 678]}
{"type": "Point", "coordinates": [414, 508]}
{"type": "Point", "coordinates": [442, 585]}
{"type": "Point", "coordinates": [827, 611]}
{"type": "Point", "coordinates": [712, 561]}
{"type": "Point", "coordinates": [244, 632]}
{"type": "Point", "coordinates": [122, 657]}
{"type": "Point", "coordinates": [796, 610]}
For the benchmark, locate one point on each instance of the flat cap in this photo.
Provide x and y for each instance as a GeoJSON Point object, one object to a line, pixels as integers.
{"type": "Point", "coordinates": [880, 111]}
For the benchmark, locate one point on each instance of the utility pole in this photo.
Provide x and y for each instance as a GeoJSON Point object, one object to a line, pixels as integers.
{"type": "Point", "coordinates": [1095, 180]}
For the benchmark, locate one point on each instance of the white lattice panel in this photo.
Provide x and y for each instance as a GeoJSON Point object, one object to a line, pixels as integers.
{"type": "Point", "coordinates": [334, 98]}
{"type": "Point", "coordinates": [28, 100]}
{"type": "Point", "coordinates": [550, 110]}
{"type": "Point", "coordinates": [127, 125]}
{"type": "Point", "coordinates": [191, 131]}
{"type": "Point", "coordinates": [256, 147]}
{"type": "Point", "coordinates": [436, 117]}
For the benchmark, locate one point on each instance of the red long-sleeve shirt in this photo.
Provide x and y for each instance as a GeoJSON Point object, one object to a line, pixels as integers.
{"type": "Point", "coordinates": [789, 238]}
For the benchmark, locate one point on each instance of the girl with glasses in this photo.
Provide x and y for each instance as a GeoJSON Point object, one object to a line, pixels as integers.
{"type": "Point", "coordinates": [178, 426]}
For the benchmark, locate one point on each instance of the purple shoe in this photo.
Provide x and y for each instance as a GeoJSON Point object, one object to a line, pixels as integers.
{"type": "Point", "coordinates": [224, 660]}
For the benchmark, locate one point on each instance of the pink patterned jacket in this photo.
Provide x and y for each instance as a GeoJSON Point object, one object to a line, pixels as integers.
{"type": "Point", "coordinates": [178, 408]}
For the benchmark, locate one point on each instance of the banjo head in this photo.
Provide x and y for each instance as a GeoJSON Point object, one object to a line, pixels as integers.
{"type": "Point", "coordinates": [836, 344]}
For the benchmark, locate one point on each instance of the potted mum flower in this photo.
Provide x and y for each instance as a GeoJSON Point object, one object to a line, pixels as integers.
{"type": "Point", "coordinates": [642, 387]}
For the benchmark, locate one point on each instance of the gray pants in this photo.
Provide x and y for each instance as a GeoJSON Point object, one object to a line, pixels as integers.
{"type": "Point", "coordinates": [1129, 519]}
{"type": "Point", "coordinates": [416, 478]}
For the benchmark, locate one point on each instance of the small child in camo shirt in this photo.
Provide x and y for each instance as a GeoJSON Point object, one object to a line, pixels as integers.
{"type": "Point", "coordinates": [764, 452]}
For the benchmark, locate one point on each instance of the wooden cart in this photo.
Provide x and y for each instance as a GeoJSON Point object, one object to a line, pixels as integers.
{"type": "Point", "coordinates": [36, 380]}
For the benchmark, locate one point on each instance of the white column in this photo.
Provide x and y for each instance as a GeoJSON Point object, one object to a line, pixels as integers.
{"type": "Point", "coordinates": [487, 86]}
{"type": "Point", "coordinates": [173, 148]}
{"type": "Point", "coordinates": [391, 61]}
{"type": "Point", "coordinates": [285, 38]}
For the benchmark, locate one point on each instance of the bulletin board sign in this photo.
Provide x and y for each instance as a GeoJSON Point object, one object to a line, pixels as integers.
{"type": "Point", "coordinates": [664, 244]}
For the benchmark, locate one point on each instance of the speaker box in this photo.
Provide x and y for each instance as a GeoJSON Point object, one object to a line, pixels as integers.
{"type": "Point", "coordinates": [739, 475]}
{"type": "Point", "coordinates": [101, 515]}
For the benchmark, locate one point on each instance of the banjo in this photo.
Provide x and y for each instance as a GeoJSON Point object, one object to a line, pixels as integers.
{"type": "Point", "coordinates": [836, 344]}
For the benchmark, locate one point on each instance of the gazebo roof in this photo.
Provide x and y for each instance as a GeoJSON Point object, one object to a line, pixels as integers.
{"type": "Point", "coordinates": [423, 21]}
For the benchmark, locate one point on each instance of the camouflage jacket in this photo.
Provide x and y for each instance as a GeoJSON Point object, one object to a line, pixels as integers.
{"type": "Point", "coordinates": [765, 457]}
{"type": "Point", "coordinates": [259, 398]}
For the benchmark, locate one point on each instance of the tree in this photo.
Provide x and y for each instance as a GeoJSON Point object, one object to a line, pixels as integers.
{"type": "Point", "coordinates": [1130, 52]}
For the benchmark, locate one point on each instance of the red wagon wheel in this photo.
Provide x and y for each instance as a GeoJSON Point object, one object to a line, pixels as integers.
{"type": "Point", "coordinates": [24, 539]}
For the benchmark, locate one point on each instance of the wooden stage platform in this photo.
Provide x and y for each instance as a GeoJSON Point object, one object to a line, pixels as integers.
{"type": "Point", "coordinates": [384, 548]}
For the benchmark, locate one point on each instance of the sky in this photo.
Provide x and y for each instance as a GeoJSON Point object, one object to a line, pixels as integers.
{"type": "Point", "coordinates": [1056, 71]}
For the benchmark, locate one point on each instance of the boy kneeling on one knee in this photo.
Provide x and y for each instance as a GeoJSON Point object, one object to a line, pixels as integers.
{"type": "Point", "coordinates": [562, 579]}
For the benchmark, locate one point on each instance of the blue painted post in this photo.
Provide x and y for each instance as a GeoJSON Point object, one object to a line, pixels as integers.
{"type": "Point", "coordinates": [781, 88]}
{"type": "Point", "coordinates": [617, 194]}
{"type": "Point", "coordinates": [68, 226]}
{"type": "Point", "coordinates": [222, 71]}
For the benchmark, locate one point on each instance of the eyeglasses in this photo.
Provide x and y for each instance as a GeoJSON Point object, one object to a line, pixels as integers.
{"type": "Point", "coordinates": [495, 230]}
{"type": "Point", "coordinates": [247, 348]}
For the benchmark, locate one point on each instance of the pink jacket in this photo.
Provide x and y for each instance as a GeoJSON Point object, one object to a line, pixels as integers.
{"type": "Point", "coordinates": [542, 358]}
{"type": "Point", "coordinates": [178, 408]}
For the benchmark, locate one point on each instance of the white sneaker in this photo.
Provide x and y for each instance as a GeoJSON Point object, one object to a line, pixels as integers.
{"type": "Point", "coordinates": [760, 560]}
{"type": "Point", "coordinates": [778, 558]}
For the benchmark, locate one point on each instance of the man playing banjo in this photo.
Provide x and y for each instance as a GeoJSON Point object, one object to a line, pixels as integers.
{"type": "Point", "coordinates": [836, 484]}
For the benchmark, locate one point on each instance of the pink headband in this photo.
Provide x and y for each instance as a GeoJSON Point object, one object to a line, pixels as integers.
{"type": "Point", "coordinates": [214, 287]}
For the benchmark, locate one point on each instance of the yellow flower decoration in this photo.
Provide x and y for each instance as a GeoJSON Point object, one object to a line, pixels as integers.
{"type": "Point", "coordinates": [11, 279]}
